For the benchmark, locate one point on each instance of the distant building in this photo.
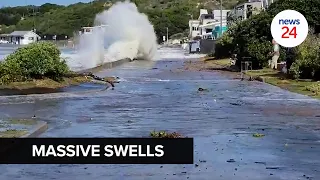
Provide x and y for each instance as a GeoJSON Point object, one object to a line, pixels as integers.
{"type": "Point", "coordinates": [207, 26]}
{"type": "Point", "coordinates": [4, 38]}
{"type": "Point", "coordinates": [194, 28]}
{"type": "Point", "coordinates": [20, 37]}
{"type": "Point", "coordinates": [89, 30]}
{"type": "Point", "coordinates": [217, 14]}
{"type": "Point", "coordinates": [86, 30]}
{"type": "Point", "coordinates": [245, 10]}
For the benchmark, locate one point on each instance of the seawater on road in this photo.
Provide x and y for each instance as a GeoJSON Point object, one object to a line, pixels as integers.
{"type": "Point", "coordinates": [154, 96]}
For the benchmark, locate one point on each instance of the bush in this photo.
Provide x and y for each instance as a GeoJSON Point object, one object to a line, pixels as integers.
{"type": "Point", "coordinates": [258, 50]}
{"type": "Point", "coordinates": [224, 47]}
{"type": "Point", "coordinates": [35, 61]}
{"type": "Point", "coordinates": [307, 63]}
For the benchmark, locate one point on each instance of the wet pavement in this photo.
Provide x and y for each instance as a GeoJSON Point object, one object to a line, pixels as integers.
{"type": "Point", "coordinates": [154, 96]}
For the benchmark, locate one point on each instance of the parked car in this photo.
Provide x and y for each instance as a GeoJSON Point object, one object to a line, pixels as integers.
{"type": "Point", "coordinates": [4, 42]}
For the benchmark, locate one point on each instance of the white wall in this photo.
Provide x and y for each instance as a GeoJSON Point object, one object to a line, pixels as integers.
{"type": "Point", "coordinates": [29, 38]}
{"type": "Point", "coordinates": [217, 14]}
{"type": "Point", "coordinates": [26, 39]}
{"type": "Point", "coordinates": [193, 28]}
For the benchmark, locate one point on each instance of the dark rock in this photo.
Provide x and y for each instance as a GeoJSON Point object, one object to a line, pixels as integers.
{"type": "Point", "coordinates": [231, 161]}
{"type": "Point", "coordinates": [184, 172]}
{"type": "Point", "coordinates": [272, 168]}
{"type": "Point", "coordinates": [196, 165]}
{"type": "Point", "coordinates": [271, 174]}
{"type": "Point", "coordinates": [236, 169]}
{"type": "Point", "coordinates": [202, 161]}
{"type": "Point", "coordinates": [235, 104]}
{"type": "Point", "coordinates": [260, 162]}
{"type": "Point", "coordinates": [161, 166]}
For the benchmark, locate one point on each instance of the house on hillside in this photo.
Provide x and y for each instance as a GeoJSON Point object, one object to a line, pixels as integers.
{"type": "Point", "coordinates": [245, 10]}
{"type": "Point", "coordinates": [20, 37]}
{"type": "Point", "coordinates": [89, 30]}
{"type": "Point", "coordinates": [207, 26]}
{"type": "Point", "coordinates": [194, 28]}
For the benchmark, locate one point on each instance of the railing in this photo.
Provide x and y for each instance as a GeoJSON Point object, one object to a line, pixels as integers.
{"type": "Point", "coordinates": [246, 65]}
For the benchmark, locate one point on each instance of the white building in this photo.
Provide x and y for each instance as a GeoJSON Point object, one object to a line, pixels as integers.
{"type": "Point", "coordinates": [217, 14]}
{"type": "Point", "coordinates": [89, 30]}
{"type": "Point", "coordinates": [206, 24]}
{"type": "Point", "coordinates": [194, 28]}
{"type": "Point", "coordinates": [245, 10]}
{"type": "Point", "coordinates": [21, 37]}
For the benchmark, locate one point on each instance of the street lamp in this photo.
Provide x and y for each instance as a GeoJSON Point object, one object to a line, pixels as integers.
{"type": "Point", "coordinates": [220, 18]}
{"type": "Point", "coordinates": [167, 35]}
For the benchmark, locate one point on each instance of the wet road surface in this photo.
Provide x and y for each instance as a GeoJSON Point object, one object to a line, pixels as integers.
{"type": "Point", "coordinates": [155, 96]}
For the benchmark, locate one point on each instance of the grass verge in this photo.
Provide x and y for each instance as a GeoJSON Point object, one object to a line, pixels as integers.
{"type": "Point", "coordinates": [276, 78]}
{"type": "Point", "coordinates": [22, 121]}
{"type": "Point", "coordinates": [46, 83]}
{"type": "Point", "coordinates": [12, 133]}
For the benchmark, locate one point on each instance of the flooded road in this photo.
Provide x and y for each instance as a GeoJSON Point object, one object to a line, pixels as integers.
{"type": "Point", "coordinates": [157, 96]}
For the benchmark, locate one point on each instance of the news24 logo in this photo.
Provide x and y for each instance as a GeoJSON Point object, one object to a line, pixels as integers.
{"type": "Point", "coordinates": [289, 28]}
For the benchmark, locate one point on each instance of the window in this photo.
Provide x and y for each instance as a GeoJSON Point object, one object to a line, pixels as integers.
{"type": "Point", "coordinates": [208, 30]}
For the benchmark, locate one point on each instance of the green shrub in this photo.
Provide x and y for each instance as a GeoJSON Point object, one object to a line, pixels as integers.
{"type": "Point", "coordinates": [258, 50]}
{"type": "Point", "coordinates": [315, 88]}
{"type": "Point", "coordinates": [35, 61]}
{"type": "Point", "coordinates": [224, 47]}
{"type": "Point", "coordinates": [307, 63]}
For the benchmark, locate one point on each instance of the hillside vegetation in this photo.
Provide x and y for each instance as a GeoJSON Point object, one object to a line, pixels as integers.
{"type": "Point", "coordinates": [51, 19]}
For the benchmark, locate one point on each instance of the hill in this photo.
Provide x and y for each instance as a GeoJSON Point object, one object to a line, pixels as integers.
{"type": "Point", "coordinates": [51, 19]}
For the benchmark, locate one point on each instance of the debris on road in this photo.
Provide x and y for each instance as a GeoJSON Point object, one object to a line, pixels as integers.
{"type": "Point", "coordinates": [164, 134]}
{"type": "Point", "coordinates": [202, 89]}
{"type": "Point", "coordinates": [272, 168]}
{"type": "Point", "coordinates": [260, 162]}
{"type": "Point", "coordinates": [258, 135]}
{"type": "Point", "coordinates": [231, 161]}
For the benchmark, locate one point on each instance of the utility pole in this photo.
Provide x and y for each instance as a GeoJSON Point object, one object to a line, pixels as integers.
{"type": "Point", "coordinates": [220, 18]}
{"type": "Point", "coordinates": [167, 36]}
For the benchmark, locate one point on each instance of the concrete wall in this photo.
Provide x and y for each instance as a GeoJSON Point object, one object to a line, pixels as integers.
{"type": "Point", "coordinates": [217, 15]}
{"type": "Point", "coordinates": [207, 46]}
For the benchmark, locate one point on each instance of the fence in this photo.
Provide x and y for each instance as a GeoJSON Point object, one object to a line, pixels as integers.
{"type": "Point", "coordinates": [207, 46]}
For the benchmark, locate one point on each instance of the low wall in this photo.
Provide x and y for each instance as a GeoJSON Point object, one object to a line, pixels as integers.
{"type": "Point", "coordinates": [107, 65]}
{"type": "Point", "coordinates": [207, 46]}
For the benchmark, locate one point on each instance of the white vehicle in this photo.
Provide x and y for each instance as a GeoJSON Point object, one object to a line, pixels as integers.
{"type": "Point", "coordinates": [4, 42]}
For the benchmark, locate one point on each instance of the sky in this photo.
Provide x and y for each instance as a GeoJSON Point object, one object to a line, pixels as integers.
{"type": "Point", "coordinates": [5, 3]}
